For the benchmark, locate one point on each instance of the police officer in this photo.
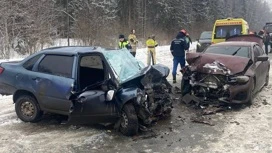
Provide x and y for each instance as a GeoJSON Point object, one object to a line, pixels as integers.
{"type": "Point", "coordinates": [123, 43]}
{"type": "Point", "coordinates": [151, 51]}
{"type": "Point", "coordinates": [177, 48]}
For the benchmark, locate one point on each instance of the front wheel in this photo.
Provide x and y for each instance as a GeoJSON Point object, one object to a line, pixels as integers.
{"type": "Point", "coordinates": [129, 120]}
{"type": "Point", "coordinates": [27, 109]}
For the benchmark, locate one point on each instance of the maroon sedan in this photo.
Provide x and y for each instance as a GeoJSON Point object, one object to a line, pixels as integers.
{"type": "Point", "coordinates": [230, 72]}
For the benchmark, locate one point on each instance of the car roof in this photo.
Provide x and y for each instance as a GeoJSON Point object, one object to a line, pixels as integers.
{"type": "Point", "coordinates": [72, 50]}
{"type": "Point", "coordinates": [236, 43]}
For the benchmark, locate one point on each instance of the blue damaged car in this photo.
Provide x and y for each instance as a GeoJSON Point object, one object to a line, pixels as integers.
{"type": "Point", "coordinates": [89, 85]}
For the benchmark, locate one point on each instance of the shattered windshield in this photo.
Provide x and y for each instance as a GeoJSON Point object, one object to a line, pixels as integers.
{"type": "Point", "coordinates": [229, 50]}
{"type": "Point", "coordinates": [123, 63]}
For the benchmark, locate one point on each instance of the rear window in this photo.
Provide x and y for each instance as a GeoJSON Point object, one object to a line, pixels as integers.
{"type": "Point", "coordinates": [229, 50]}
{"type": "Point", "coordinates": [206, 35]}
{"type": "Point", "coordinates": [57, 65]}
{"type": "Point", "coordinates": [268, 28]}
{"type": "Point", "coordinates": [222, 32]}
{"type": "Point", "coordinates": [31, 62]}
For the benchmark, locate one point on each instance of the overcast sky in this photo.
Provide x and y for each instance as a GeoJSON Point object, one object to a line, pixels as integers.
{"type": "Point", "coordinates": [270, 2]}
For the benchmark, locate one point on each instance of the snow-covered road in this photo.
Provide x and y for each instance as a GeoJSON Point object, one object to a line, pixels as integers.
{"type": "Point", "coordinates": [244, 130]}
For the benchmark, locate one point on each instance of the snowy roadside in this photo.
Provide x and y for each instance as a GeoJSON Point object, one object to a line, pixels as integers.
{"type": "Point", "coordinates": [245, 130]}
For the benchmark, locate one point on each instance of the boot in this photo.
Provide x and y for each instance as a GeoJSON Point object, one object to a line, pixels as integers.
{"type": "Point", "coordinates": [174, 79]}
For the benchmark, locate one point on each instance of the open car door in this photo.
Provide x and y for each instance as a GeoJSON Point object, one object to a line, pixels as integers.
{"type": "Point", "coordinates": [91, 107]}
{"type": "Point", "coordinates": [248, 38]}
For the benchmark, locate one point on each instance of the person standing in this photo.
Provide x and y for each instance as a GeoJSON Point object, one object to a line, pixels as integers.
{"type": "Point", "coordinates": [266, 40]}
{"type": "Point", "coordinates": [123, 43]}
{"type": "Point", "coordinates": [177, 48]}
{"type": "Point", "coordinates": [151, 51]}
{"type": "Point", "coordinates": [133, 42]}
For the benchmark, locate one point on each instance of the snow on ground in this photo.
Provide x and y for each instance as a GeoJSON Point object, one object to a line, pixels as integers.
{"type": "Point", "coordinates": [243, 131]}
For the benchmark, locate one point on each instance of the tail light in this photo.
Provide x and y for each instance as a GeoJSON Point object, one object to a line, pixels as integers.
{"type": "Point", "coordinates": [1, 70]}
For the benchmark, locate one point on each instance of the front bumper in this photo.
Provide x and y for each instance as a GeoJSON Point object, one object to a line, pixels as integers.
{"type": "Point", "coordinates": [236, 94]}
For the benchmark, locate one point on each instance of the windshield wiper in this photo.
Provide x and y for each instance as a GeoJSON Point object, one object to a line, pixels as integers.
{"type": "Point", "coordinates": [234, 53]}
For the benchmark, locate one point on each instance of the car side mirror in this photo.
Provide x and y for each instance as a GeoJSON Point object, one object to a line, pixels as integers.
{"type": "Point", "coordinates": [262, 58]}
{"type": "Point", "coordinates": [110, 95]}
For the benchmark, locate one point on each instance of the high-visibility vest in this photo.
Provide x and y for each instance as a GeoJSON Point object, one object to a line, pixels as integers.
{"type": "Point", "coordinates": [151, 43]}
{"type": "Point", "coordinates": [123, 44]}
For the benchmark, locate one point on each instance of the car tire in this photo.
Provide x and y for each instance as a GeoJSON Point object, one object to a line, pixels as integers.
{"type": "Point", "coordinates": [267, 79]}
{"type": "Point", "coordinates": [129, 121]}
{"type": "Point", "coordinates": [27, 109]}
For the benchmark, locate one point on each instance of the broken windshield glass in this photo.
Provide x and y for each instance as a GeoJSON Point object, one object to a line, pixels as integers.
{"type": "Point", "coordinates": [123, 63]}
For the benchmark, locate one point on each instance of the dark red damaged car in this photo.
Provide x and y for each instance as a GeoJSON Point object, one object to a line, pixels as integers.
{"type": "Point", "coordinates": [229, 72]}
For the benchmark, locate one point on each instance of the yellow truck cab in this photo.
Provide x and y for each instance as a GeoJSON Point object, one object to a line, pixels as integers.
{"type": "Point", "coordinates": [224, 28]}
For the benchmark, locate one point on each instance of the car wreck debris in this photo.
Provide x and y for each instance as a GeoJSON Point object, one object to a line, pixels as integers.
{"type": "Point", "coordinates": [202, 120]}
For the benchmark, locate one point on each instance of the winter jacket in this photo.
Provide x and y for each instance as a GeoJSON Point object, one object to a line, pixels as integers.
{"type": "Point", "coordinates": [179, 45]}
{"type": "Point", "coordinates": [124, 44]}
{"type": "Point", "coordinates": [151, 43]}
{"type": "Point", "coordinates": [267, 39]}
{"type": "Point", "coordinates": [132, 39]}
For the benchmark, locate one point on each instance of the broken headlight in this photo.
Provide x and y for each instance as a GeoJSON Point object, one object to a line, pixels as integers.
{"type": "Point", "coordinates": [239, 79]}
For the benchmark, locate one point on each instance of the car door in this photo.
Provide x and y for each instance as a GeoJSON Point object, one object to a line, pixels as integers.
{"type": "Point", "coordinates": [264, 66]}
{"type": "Point", "coordinates": [258, 68]}
{"type": "Point", "coordinates": [52, 82]}
{"type": "Point", "coordinates": [91, 105]}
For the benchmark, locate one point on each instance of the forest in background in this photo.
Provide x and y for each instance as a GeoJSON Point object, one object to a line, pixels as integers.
{"type": "Point", "coordinates": [27, 25]}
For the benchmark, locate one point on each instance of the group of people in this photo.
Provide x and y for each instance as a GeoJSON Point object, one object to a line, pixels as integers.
{"type": "Point", "coordinates": [178, 47]}
{"type": "Point", "coordinates": [131, 45]}
{"type": "Point", "coordinates": [267, 40]}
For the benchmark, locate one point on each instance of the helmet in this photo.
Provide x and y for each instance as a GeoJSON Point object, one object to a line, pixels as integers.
{"type": "Point", "coordinates": [183, 31]}
{"type": "Point", "coordinates": [121, 36]}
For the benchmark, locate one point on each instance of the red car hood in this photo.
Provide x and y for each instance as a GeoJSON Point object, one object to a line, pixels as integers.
{"type": "Point", "coordinates": [202, 62]}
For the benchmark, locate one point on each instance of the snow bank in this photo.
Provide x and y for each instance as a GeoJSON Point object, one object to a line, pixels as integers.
{"type": "Point", "coordinates": [163, 54]}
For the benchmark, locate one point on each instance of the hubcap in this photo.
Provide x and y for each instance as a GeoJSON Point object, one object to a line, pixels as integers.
{"type": "Point", "coordinates": [124, 120]}
{"type": "Point", "coordinates": [27, 109]}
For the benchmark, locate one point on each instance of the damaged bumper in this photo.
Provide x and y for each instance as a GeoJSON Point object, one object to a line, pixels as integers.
{"type": "Point", "coordinates": [216, 85]}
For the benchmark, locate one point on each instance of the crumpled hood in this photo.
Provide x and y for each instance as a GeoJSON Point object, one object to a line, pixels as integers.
{"type": "Point", "coordinates": [151, 74]}
{"type": "Point", "coordinates": [217, 63]}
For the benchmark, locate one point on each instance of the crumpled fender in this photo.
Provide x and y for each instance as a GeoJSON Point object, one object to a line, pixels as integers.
{"type": "Point", "coordinates": [125, 95]}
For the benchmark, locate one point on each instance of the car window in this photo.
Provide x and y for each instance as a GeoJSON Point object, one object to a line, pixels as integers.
{"type": "Point", "coordinates": [256, 52]}
{"type": "Point", "coordinates": [268, 28]}
{"type": "Point", "coordinates": [206, 35]}
{"type": "Point", "coordinates": [222, 32]}
{"type": "Point", "coordinates": [57, 65]}
{"type": "Point", "coordinates": [31, 62]}
{"type": "Point", "coordinates": [91, 62]}
{"type": "Point", "coordinates": [229, 50]}
{"type": "Point", "coordinates": [260, 50]}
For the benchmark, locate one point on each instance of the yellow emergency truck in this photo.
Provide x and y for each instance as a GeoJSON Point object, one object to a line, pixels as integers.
{"type": "Point", "coordinates": [224, 28]}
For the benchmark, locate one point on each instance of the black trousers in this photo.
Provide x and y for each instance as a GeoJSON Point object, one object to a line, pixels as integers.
{"type": "Point", "coordinates": [266, 48]}
{"type": "Point", "coordinates": [133, 53]}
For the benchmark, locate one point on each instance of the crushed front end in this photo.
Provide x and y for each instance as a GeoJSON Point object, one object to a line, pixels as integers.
{"type": "Point", "coordinates": [154, 100]}
{"type": "Point", "coordinates": [214, 83]}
